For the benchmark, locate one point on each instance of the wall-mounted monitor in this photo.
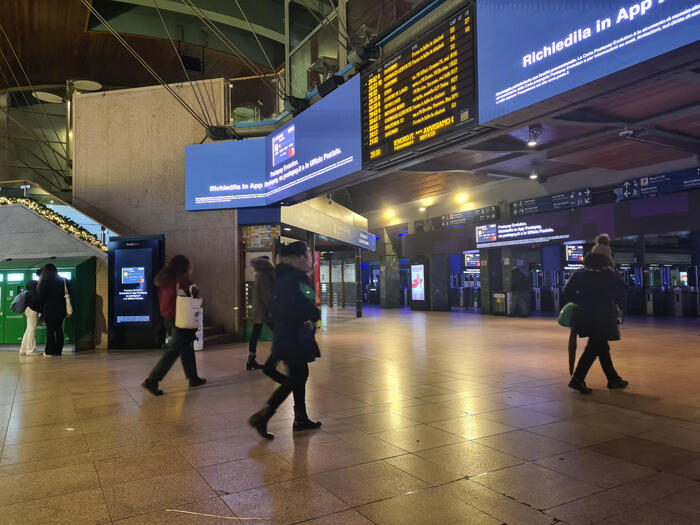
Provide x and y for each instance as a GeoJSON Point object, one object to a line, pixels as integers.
{"type": "Point", "coordinates": [531, 50]}
{"type": "Point", "coordinates": [472, 260]}
{"type": "Point", "coordinates": [574, 253]}
{"type": "Point", "coordinates": [494, 235]}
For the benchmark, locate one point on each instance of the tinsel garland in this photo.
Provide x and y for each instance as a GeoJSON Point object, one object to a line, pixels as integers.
{"type": "Point", "coordinates": [62, 222]}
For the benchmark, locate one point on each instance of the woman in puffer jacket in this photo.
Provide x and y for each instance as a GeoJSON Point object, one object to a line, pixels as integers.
{"type": "Point", "coordinates": [597, 290]}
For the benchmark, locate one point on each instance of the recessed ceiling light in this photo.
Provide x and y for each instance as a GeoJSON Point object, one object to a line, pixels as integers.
{"type": "Point", "coordinates": [534, 134]}
{"type": "Point", "coordinates": [534, 176]}
{"type": "Point", "coordinates": [389, 214]}
{"type": "Point", "coordinates": [421, 209]}
{"type": "Point", "coordinates": [462, 197]}
{"type": "Point", "coordinates": [287, 229]}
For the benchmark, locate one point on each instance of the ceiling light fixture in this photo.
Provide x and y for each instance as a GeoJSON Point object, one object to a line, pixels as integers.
{"type": "Point", "coordinates": [287, 229]}
{"type": "Point", "coordinates": [389, 214]}
{"type": "Point", "coordinates": [45, 96]}
{"type": "Point", "coordinates": [462, 197]}
{"type": "Point", "coordinates": [421, 210]}
{"type": "Point", "coordinates": [534, 176]}
{"type": "Point", "coordinates": [535, 132]}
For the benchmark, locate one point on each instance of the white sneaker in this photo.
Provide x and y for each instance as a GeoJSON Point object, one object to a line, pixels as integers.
{"type": "Point", "coordinates": [35, 352]}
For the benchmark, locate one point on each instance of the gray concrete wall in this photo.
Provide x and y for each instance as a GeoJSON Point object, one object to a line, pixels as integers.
{"type": "Point", "coordinates": [26, 235]}
{"type": "Point", "coordinates": [129, 173]}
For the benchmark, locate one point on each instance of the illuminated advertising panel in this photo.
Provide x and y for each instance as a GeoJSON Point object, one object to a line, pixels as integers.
{"type": "Point", "coordinates": [472, 260]}
{"type": "Point", "coordinates": [531, 50]}
{"type": "Point", "coordinates": [574, 253]}
{"type": "Point", "coordinates": [494, 235]}
{"type": "Point", "coordinates": [418, 282]}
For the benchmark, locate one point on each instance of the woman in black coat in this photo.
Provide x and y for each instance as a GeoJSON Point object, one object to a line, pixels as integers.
{"type": "Point", "coordinates": [597, 290]}
{"type": "Point", "coordinates": [52, 293]}
{"type": "Point", "coordinates": [294, 314]}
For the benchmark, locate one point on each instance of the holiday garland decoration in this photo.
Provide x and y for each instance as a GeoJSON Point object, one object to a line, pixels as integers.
{"type": "Point", "coordinates": [59, 220]}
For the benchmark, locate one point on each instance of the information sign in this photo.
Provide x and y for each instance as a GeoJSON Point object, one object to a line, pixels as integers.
{"type": "Point", "coordinates": [460, 218]}
{"type": "Point", "coordinates": [558, 201]}
{"type": "Point", "coordinates": [655, 185]}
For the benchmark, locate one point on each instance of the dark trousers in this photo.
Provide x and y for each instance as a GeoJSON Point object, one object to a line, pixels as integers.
{"type": "Point", "coordinates": [54, 337]}
{"type": "Point", "coordinates": [600, 349]}
{"type": "Point", "coordinates": [181, 347]}
{"type": "Point", "coordinates": [254, 338]}
{"type": "Point", "coordinates": [294, 383]}
{"type": "Point", "coordinates": [169, 328]}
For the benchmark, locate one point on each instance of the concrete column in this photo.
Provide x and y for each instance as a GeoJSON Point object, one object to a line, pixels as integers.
{"type": "Point", "coordinates": [389, 280]}
{"type": "Point", "coordinates": [358, 281]}
{"type": "Point", "coordinates": [439, 285]}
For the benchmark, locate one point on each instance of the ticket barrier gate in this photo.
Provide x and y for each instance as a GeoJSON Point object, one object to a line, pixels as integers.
{"type": "Point", "coordinates": [547, 299]}
{"type": "Point", "coordinates": [659, 301]}
{"type": "Point", "coordinates": [635, 302]}
{"type": "Point", "coordinates": [557, 299]}
{"type": "Point", "coordinates": [685, 302]}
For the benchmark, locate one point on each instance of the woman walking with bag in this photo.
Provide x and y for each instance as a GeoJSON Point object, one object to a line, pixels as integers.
{"type": "Point", "coordinates": [173, 279]}
{"type": "Point", "coordinates": [596, 290]}
{"type": "Point", "coordinates": [294, 314]}
{"type": "Point", "coordinates": [32, 314]}
{"type": "Point", "coordinates": [54, 295]}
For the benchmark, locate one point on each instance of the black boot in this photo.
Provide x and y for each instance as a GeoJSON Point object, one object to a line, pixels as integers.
{"type": "Point", "coordinates": [198, 381]}
{"type": "Point", "coordinates": [618, 382]}
{"type": "Point", "coordinates": [152, 387]}
{"type": "Point", "coordinates": [578, 384]}
{"type": "Point", "coordinates": [302, 421]}
{"type": "Point", "coordinates": [259, 421]}
{"type": "Point", "coordinates": [252, 364]}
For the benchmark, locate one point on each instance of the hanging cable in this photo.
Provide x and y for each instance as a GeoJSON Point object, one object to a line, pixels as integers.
{"type": "Point", "coordinates": [145, 64]}
{"type": "Point", "coordinates": [32, 87]}
{"type": "Point", "coordinates": [205, 112]}
{"type": "Point", "coordinates": [341, 24]}
{"type": "Point", "coordinates": [232, 47]}
{"type": "Point", "coordinates": [269, 62]}
{"type": "Point", "coordinates": [29, 107]}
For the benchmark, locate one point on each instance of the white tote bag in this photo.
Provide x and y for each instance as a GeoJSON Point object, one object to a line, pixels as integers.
{"type": "Point", "coordinates": [69, 307]}
{"type": "Point", "coordinates": [188, 312]}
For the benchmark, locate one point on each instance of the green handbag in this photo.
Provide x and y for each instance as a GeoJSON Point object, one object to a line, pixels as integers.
{"type": "Point", "coordinates": [566, 316]}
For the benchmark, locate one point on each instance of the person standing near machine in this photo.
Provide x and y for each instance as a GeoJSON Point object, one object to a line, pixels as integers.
{"type": "Point", "coordinates": [294, 314]}
{"type": "Point", "coordinates": [520, 293]}
{"type": "Point", "coordinates": [53, 293]}
{"type": "Point", "coordinates": [32, 314]}
{"type": "Point", "coordinates": [596, 290]}
{"type": "Point", "coordinates": [172, 279]}
{"type": "Point", "coordinates": [262, 295]}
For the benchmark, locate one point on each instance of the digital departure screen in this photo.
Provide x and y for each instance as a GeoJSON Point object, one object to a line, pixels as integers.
{"type": "Point", "coordinates": [421, 92]}
{"type": "Point", "coordinates": [532, 50]}
{"type": "Point", "coordinates": [574, 253]}
{"type": "Point", "coordinates": [133, 303]}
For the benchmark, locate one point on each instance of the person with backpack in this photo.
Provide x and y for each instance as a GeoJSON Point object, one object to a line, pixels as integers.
{"type": "Point", "coordinates": [54, 296]}
{"type": "Point", "coordinates": [294, 314]}
{"type": "Point", "coordinates": [31, 312]}
{"type": "Point", "coordinates": [596, 290]}
{"type": "Point", "coordinates": [173, 279]}
{"type": "Point", "coordinates": [262, 296]}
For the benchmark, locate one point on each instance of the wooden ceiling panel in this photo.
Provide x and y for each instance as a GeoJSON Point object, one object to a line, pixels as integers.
{"type": "Point", "coordinates": [615, 153]}
{"type": "Point", "coordinates": [650, 100]}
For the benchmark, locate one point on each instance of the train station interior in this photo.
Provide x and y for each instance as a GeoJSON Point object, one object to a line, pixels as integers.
{"type": "Point", "coordinates": [420, 261]}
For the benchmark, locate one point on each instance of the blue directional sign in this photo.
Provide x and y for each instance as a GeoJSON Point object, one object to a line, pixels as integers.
{"type": "Point", "coordinates": [655, 185]}
{"type": "Point", "coordinates": [558, 201]}
{"type": "Point", "coordinates": [460, 218]}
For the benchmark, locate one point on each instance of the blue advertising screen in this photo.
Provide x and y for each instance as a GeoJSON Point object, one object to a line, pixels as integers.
{"type": "Point", "coordinates": [228, 174]}
{"type": "Point", "coordinates": [531, 50]}
{"type": "Point", "coordinates": [318, 146]}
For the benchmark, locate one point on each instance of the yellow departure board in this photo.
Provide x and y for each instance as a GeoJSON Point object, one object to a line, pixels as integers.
{"type": "Point", "coordinates": [425, 90]}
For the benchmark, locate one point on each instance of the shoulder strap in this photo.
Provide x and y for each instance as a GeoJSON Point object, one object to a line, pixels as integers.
{"type": "Point", "coordinates": [65, 286]}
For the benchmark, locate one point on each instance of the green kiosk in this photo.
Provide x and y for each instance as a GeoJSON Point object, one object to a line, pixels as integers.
{"type": "Point", "coordinates": [80, 272]}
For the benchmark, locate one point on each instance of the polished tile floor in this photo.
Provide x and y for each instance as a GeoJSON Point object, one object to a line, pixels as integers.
{"type": "Point", "coordinates": [428, 418]}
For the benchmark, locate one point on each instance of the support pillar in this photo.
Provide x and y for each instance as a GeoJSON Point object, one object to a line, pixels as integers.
{"type": "Point", "coordinates": [238, 267]}
{"type": "Point", "coordinates": [358, 281]}
{"type": "Point", "coordinates": [389, 279]}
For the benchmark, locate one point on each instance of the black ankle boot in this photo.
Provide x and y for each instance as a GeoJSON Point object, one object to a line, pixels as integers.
{"type": "Point", "coordinates": [152, 387]}
{"type": "Point", "coordinates": [305, 424]}
{"type": "Point", "coordinates": [617, 383]}
{"type": "Point", "coordinates": [259, 421]}
{"type": "Point", "coordinates": [579, 385]}
{"type": "Point", "coordinates": [252, 364]}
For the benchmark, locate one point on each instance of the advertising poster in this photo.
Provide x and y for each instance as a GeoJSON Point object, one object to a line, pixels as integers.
{"type": "Point", "coordinates": [418, 282]}
{"type": "Point", "coordinates": [132, 300]}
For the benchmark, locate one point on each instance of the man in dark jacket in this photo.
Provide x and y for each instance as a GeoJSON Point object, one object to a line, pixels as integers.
{"type": "Point", "coordinates": [262, 298]}
{"type": "Point", "coordinates": [294, 314]}
{"type": "Point", "coordinates": [520, 293]}
{"type": "Point", "coordinates": [597, 290]}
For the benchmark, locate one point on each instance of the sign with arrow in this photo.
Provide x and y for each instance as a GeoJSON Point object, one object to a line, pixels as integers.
{"type": "Point", "coordinates": [655, 185]}
{"type": "Point", "coordinates": [460, 218]}
{"type": "Point", "coordinates": [558, 201]}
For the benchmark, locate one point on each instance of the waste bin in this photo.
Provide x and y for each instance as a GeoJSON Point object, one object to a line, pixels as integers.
{"type": "Point", "coordinates": [498, 304]}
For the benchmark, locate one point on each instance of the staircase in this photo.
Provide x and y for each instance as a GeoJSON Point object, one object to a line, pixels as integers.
{"type": "Point", "coordinates": [216, 335]}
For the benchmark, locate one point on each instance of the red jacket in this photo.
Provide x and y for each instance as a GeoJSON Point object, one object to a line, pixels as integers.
{"type": "Point", "coordinates": [167, 295]}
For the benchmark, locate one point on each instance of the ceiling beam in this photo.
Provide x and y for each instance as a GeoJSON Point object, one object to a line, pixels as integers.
{"type": "Point", "coordinates": [232, 21]}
